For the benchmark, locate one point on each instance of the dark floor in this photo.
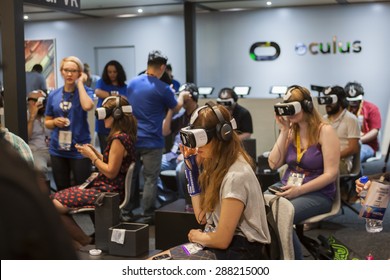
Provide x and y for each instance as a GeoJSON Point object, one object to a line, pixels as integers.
{"type": "Point", "coordinates": [350, 229]}
{"type": "Point", "coordinates": [347, 227]}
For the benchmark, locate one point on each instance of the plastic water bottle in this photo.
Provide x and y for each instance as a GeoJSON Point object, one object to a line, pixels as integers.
{"type": "Point", "coordinates": [372, 225]}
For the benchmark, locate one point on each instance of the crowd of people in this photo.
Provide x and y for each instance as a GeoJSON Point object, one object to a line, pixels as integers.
{"type": "Point", "coordinates": [133, 121]}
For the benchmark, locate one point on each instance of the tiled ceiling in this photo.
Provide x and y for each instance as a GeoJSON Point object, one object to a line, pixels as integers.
{"type": "Point", "coordinates": [115, 8]}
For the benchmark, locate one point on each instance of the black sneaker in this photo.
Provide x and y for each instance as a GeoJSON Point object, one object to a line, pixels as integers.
{"type": "Point", "coordinates": [146, 219]}
{"type": "Point", "coordinates": [127, 217]}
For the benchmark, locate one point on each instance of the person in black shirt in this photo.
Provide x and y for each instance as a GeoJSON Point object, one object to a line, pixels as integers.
{"type": "Point", "coordinates": [229, 98]}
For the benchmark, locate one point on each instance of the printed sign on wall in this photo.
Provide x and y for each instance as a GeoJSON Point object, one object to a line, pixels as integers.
{"type": "Point", "coordinates": [42, 52]}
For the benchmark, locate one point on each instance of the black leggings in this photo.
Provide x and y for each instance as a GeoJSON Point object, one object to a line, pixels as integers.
{"type": "Point", "coordinates": [241, 249]}
{"type": "Point", "coordinates": [64, 167]}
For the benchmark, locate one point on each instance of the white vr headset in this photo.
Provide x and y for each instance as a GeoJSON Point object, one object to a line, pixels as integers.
{"type": "Point", "coordinates": [198, 137]}
{"type": "Point", "coordinates": [287, 109]}
{"type": "Point", "coordinates": [327, 100]}
{"type": "Point", "coordinates": [102, 113]}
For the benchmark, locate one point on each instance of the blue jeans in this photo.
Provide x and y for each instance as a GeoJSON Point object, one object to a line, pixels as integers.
{"type": "Point", "coordinates": [168, 164]}
{"type": "Point", "coordinates": [306, 206]}
{"type": "Point", "coordinates": [180, 177]}
{"type": "Point", "coordinates": [151, 159]}
{"type": "Point", "coordinates": [165, 165]}
{"type": "Point", "coordinates": [366, 152]}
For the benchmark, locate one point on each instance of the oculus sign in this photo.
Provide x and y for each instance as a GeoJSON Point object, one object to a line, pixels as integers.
{"type": "Point", "coordinates": [258, 50]}
{"type": "Point", "coordinates": [329, 47]}
{"type": "Point", "coordinates": [255, 55]}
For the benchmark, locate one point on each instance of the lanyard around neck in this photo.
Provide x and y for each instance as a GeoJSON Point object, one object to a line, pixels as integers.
{"type": "Point", "coordinates": [299, 152]}
{"type": "Point", "coordinates": [66, 104]}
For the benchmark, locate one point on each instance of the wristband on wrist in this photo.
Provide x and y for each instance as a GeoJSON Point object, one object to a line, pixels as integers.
{"type": "Point", "coordinates": [94, 161]}
{"type": "Point", "coordinates": [191, 171]}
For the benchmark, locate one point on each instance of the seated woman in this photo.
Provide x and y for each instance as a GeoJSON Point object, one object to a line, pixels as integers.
{"type": "Point", "coordinates": [309, 147]}
{"type": "Point", "coordinates": [226, 195]}
{"type": "Point", "coordinates": [112, 164]}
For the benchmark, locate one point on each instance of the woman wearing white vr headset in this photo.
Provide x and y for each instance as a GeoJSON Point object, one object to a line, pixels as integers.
{"type": "Point", "coordinates": [310, 148]}
{"type": "Point", "coordinates": [224, 190]}
{"type": "Point", "coordinates": [112, 164]}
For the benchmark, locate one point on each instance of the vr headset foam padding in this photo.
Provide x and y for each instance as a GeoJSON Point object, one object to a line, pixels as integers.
{"type": "Point", "coordinates": [287, 109]}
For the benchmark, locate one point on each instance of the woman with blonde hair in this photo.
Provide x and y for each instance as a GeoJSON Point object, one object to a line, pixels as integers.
{"type": "Point", "coordinates": [67, 116]}
{"type": "Point", "coordinates": [310, 148]}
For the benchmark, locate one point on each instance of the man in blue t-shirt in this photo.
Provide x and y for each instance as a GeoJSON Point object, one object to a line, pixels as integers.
{"type": "Point", "coordinates": [150, 98]}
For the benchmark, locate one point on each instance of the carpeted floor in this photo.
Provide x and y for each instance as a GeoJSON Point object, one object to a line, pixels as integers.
{"type": "Point", "coordinates": [350, 229]}
{"type": "Point", "coordinates": [347, 227]}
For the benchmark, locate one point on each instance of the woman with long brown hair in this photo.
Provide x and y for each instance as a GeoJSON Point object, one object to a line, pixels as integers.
{"type": "Point", "coordinates": [226, 196]}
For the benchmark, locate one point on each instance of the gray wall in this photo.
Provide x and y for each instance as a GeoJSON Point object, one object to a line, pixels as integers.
{"type": "Point", "coordinates": [224, 39]}
{"type": "Point", "coordinates": [80, 37]}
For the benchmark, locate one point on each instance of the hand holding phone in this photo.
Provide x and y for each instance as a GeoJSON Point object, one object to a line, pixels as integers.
{"type": "Point", "coordinates": [274, 189]}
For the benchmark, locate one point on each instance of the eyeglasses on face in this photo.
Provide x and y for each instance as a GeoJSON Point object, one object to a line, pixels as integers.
{"type": "Point", "coordinates": [71, 71]}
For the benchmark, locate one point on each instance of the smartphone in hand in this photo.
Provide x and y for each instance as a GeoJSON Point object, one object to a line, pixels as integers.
{"type": "Point", "coordinates": [274, 189]}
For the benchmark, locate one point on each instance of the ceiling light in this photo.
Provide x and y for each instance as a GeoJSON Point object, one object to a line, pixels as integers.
{"type": "Point", "coordinates": [25, 17]}
{"type": "Point", "coordinates": [140, 11]}
{"type": "Point", "coordinates": [126, 15]}
{"type": "Point", "coordinates": [233, 10]}
{"type": "Point", "coordinates": [269, 3]}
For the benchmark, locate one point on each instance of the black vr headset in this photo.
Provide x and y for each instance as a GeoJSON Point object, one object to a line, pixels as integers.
{"type": "Point", "coordinates": [226, 102]}
{"type": "Point", "coordinates": [117, 112]}
{"type": "Point", "coordinates": [198, 137]}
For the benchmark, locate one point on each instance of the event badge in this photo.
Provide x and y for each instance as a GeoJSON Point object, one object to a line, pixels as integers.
{"type": "Point", "coordinates": [295, 179]}
{"type": "Point", "coordinates": [191, 248]}
{"type": "Point", "coordinates": [65, 140]}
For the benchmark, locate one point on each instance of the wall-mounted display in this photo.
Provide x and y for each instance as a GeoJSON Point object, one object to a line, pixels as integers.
{"type": "Point", "coordinates": [42, 52]}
